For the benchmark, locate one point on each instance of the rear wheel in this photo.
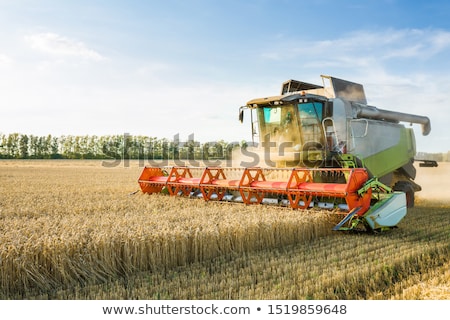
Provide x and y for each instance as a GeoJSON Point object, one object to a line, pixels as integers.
{"type": "Point", "coordinates": [408, 189]}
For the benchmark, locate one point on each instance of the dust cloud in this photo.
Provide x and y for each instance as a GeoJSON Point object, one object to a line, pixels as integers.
{"type": "Point", "coordinates": [435, 182]}
{"type": "Point", "coordinates": [249, 157]}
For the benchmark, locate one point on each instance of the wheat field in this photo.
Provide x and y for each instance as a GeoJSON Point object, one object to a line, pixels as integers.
{"type": "Point", "coordinates": [77, 230]}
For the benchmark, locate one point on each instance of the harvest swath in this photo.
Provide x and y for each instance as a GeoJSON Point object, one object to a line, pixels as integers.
{"type": "Point", "coordinates": [71, 230]}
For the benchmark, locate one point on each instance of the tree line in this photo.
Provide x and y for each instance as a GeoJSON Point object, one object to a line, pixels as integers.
{"type": "Point", "coordinates": [124, 146]}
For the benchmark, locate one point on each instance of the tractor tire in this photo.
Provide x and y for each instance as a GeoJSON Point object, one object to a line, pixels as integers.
{"type": "Point", "coordinates": [408, 189]}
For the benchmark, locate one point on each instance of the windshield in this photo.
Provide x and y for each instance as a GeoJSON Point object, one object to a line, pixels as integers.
{"type": "Point", "coordinates": [310, 120]}
{"type": "Point", "coordinates": [280, 125]}
{"type": "Point", "coordinates": [293, 125]}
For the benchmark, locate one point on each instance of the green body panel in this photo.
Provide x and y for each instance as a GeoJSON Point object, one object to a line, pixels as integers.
{"type": "Point", "coordinates": [393, 158]}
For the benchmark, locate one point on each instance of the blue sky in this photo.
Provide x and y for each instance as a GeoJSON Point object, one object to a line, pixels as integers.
{"type": "Point", "coordinates": [161, 68]}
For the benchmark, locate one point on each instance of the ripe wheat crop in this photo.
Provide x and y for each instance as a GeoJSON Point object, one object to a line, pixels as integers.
{"type": "Point", "coordinates": [72, 230]}
{"type": "Point", "coordinates": [64, 225]}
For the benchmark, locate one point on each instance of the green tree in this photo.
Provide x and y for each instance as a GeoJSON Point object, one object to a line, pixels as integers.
{"type": "Point", "coordinates": [12, 146]}
{"type": "Point", "coordinates": [24, 153]}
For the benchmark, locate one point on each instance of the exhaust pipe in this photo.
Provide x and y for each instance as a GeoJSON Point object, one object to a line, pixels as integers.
{"type": "Point", "coordinates": [363, 111]}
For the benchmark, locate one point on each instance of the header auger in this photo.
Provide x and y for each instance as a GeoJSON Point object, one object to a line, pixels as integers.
{"type": "Point", "coordinates": [322, 146]}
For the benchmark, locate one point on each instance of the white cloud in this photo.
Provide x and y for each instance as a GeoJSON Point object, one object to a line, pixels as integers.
{"type": "Point", "coordinates": [439, 40]}
{"type": "Point", "coordinates": [60, 46]}
{"type": "Point", "coordinates": [364, 46]}
{"type": "Point", "coordinates": [5, 60]}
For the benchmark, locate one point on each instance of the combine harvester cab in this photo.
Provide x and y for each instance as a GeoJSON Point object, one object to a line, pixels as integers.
{"type": "Point", "coordinates": [321, 146]}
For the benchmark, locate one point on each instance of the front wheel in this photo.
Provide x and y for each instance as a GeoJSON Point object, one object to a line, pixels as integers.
{"type": "Point", "coordinates": [408, 189]}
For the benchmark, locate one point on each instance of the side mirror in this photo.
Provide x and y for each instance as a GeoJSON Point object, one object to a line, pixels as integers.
{"type": "Point", "coordinates": [241, 114]}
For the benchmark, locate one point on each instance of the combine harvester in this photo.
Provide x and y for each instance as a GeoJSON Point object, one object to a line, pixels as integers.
{"type": "Point", "coordinates": [322, 146]}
